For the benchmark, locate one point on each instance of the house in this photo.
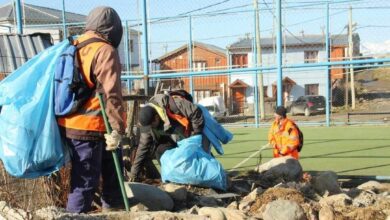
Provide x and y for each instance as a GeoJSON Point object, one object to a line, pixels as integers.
{"type": "Point", "coordinates": [296, 50]}
{"type": "Point", "coordinates": [50, 21]}
{"type": "Point", "coordinates": [15, 50]}
{"type": "Point", "coordinates": [205, 57]}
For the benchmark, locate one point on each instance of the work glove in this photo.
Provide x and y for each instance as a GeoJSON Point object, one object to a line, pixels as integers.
{"type": "Point", "coordinates": [112, 140]}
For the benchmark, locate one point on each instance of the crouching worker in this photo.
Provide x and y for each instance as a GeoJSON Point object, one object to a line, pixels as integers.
{"type": "Point", "coordinates": [164, 121]}
{"type": "Point", "coordinates": [283, 135]}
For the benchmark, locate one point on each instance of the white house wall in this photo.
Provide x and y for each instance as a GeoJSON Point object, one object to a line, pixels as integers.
{"type": "Point", "coordinates": [302, 77]}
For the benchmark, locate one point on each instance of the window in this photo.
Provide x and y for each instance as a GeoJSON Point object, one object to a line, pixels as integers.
{"type": "Point", "coordinates": [131, 46]}
{"type": "Point", "coordinates": [199, 65]}
{"type": "Point", "coordinates": [311, 56]}
{"type": "Point", "coordinates": [311, 89]}
{"type": "Point", "coordinates": [217, 61]}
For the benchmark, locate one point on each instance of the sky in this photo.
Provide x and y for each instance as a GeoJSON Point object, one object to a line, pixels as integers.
{"type": "Point", "coordinates": [223, 22]}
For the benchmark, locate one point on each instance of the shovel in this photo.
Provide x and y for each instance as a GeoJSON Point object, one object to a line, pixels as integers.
{"type": "Point", "coordinates": [114, 155]}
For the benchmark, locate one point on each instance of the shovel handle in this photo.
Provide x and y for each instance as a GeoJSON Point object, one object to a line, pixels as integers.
{"type": "Point", "coordinates": [114, 155]}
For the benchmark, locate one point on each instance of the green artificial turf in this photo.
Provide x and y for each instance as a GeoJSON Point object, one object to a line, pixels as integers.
{"type": "Point", "coordinates": [352, 150]}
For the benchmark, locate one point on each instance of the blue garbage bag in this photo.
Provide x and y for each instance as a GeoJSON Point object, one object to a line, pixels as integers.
{"type": "Point", "coordinates": [214, 131]}
{"type": "Point", "coordinates": [30, 142]}
{"type": "Point", "coordinates": [190, 164]}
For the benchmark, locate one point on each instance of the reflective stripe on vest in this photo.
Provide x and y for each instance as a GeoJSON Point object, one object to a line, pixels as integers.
{"type": "Point", "coordinates": [89, 117]}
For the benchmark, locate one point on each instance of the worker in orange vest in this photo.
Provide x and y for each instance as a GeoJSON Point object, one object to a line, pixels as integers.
{"type": "Point", "coordinates": [283, 135]}
{"type": "Point", "coordinates": [84, 131]}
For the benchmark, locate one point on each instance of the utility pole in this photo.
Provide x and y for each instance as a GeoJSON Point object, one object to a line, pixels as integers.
{"type": "Point", "coordinates": [350, 52]}
{"type": "Point", "coordinates": [259, 62]}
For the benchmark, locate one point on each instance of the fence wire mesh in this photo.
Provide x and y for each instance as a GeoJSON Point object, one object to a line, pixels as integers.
{"type": "Point", "coordinates": [215, 39]}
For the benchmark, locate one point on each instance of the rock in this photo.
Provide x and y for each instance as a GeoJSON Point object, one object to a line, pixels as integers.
{"type": "Point", "coordinates": [326, 182]}
{"type": "Point", "coordinates": [212, 213]}
{"type": "Point", "coordinates": [245, 205]}
{"type": "Point", "coordinates": [253, 195]}
{"type": "Point", "coordinates": [326, 213]}
{"type": "Point", "coordinates": [50, 212]}
{"type": "Point", "coordinates": [365, 198]}
{"type": "Point", "coordinates": [138, 208]}
{"type": "Point", "coordinates": [283, 209]}
{"type": "Point", "coordinates": [207, 201]}
{"type": "Point", "coordinates": [282, 169]}
{"type": "Point", "coordinates": [371, 185]}
{"type": "Point", "coordinates": [336, 200]}
{"type": "Point", "coordinates": [233, 214]}
{"type": "Point", "coordinates": [151, 197]}
{"type": "Point", "coordinates": [9, 213]}
{"type": "Point", "coordinates": [193, 210]}
{"type": "Point", "coordinates": [177, 192]}
{"type": "Point", "coordinates": [233, 205]}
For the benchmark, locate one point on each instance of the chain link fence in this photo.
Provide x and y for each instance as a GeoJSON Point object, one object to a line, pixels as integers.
{"type": "Point", "coordinates": [215, 41]}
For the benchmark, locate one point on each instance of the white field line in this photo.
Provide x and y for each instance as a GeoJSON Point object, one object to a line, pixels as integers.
{"type": "Point", "coordinates": [248, 158]}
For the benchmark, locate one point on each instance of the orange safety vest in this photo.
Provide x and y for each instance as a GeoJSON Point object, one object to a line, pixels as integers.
{"type": "Point", "coordinates": [182, 120]}
{"type": "Point", "coordinates": [284, 138]}
{"type": "Point", "coordinates": [89, 117]}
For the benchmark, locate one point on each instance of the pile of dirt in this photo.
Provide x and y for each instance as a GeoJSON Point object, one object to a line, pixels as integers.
{"type": "Point", "coordinates": [272, 194]}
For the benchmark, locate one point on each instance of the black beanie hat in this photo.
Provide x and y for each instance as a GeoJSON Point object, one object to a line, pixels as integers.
{"type": "Point", "coordinates": [280, 110]}
{"type": "Point", "coordinates": [146, 115]}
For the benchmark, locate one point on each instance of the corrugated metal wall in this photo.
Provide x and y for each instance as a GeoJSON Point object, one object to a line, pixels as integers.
{"type": "Point", "coordinates": [16, 49]}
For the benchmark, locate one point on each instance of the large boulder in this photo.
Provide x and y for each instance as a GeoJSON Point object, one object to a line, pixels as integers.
{"type": "Point", "coordinates": [373, 186]}
{"type": "Point", "coordinates": [281, 169]}
{"type": "Point", "coordinates": [153, 198]}
{"type": "Point", "coordinates": [283, 209]}
{"type": "Point", "coordinates": [326, 182]}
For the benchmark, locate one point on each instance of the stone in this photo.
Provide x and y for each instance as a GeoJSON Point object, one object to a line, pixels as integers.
{"type": "Point", "coordinates": [253, 195]}
{"type": "Point", "coordinates": [233, 214]}
{"type": "Point", "coordinates": [283, 209]}
{"type": "Point", "coordinates": [150, 196]}
{"type": "Point", "coordinates": [138, 208]}
{"type": "Point", "coordinates": [245, 205]}
{"type": "Point", "coordinates": [281, 169]}
{"type": "Point", "coordinates": [233, 205]}
{"type": "Point", "coordinates": [177, 192]}
{"type": "Point", "coordinates": [212, 213]}
{"type": "Point", "coordinates": [371, 185]}
{"type": "Point", "coordinates": [364, 199]}
{"type": "Point", "coordinates": [336, 200]}
{"type": "Point", "coordinates": [207, 201]}
{"type": "Point", "coordinates": [326, 213]}
{"type": "Point", "coordinates": [326, 182]}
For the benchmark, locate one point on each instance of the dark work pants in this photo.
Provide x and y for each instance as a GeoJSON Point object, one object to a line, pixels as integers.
{"type": "Point", "coordinates": [89, 161]}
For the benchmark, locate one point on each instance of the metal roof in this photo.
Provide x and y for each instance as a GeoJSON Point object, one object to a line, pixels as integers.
{"type": "Point", "coordinates": [209, 47]}
{"type": "Point", "coordinates": [16, 49]}
{"type": "Point", "coordinates": [290, 41]}
{"type": "Point", "coordinates": [34, 14]}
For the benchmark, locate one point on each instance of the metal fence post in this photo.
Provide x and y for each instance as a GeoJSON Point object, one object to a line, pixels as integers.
{"type": "Point", "coordinates": [279, 52]}
{"type": "Point", "coordinates": [256, 86]}
{"type": "Point", "coordinates": [127, 52]}
{"type": "Point", "coordinates": [190, 55]}
{"type": "Point", "coordinates": [64, 34]}
{"type": "Point", "coordinates": [328, 75]}
{"type": "Point", "coordinates": [18, 17]}
{"type": "Point", "coordinates": [145, 48]}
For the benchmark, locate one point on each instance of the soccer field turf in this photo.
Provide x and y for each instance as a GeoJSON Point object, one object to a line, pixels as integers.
{"type": "Point", "coordinates": [349, 150]}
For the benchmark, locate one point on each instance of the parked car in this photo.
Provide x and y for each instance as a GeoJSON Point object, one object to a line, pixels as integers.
{"type": "Point", "coordinates": [308, 105]}
{"type": "Point", "coordinates": [215, 105]}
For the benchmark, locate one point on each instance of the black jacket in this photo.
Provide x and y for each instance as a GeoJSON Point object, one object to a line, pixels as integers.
{"type": "Point", "coordinates": [172, 132]}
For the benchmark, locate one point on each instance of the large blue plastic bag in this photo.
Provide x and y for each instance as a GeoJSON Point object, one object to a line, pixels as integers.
{"type": "Point", "coordinates": [190, 164]}
{"type": "Point", "coordinates": [30, 142]}
{"type": "Point", "coordinates": [214, 131]}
